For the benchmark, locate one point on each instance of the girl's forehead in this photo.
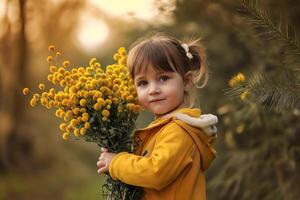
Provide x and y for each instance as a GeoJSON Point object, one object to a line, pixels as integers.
{"type": "Point", "coordinates": [148, 71]}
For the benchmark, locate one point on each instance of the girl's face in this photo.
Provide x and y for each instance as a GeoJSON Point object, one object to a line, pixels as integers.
{"type": "Point", "coordinates": [160, 92]}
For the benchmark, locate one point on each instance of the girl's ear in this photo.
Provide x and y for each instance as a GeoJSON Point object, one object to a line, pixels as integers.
{"type": "Point", "coordinates": [188, 81]}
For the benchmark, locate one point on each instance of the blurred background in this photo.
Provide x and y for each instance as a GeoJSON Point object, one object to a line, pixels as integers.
{"type": "Point", "coordinates": [259, 131]}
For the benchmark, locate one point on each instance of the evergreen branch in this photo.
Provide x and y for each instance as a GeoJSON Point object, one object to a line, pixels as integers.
{"type": "Point", "coordinates": [279, 93]}
{"type": "Point", "coordinates": [282, 32]}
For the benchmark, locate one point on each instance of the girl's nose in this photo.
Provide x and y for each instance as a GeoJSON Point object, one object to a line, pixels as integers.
{"type": "Point", "coordinates": [154, 89]}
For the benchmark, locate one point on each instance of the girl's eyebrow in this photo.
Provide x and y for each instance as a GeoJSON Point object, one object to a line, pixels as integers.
{"type": "Point", "coordinates": [138, 77]}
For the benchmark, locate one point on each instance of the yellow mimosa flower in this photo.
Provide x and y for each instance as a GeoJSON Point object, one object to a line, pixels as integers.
{"type": "Point", "coordinates": [45, 94]}
{"type": "Point", "coordinates": [131, 89]}
{"type": "Point", "coordinates": [82, 102]}
{"type": "Point", "coordinates": [240, 77]}
{"type": "Point", "coordinates": [64, 102]}
{"type": "Point", "coordinates": [62, 126]}
{"type": "Point", "coordinates": [97, 65]}
{"type": "Point", "coordinates": [121, 50]}
{"type": "Point", "coordinates": [108, 101]}
{"type": "Point", "coordinates": [55, 81]}
{"type": "Point", "coordinates": [82, 79]}
{"type": "Point", "coordinates": [130, 98]}
{"type": "Point", "coordinates": [49, 59]}
{"type": "Point", "coordinates": [50, 77]}
{"type": "Point", "coordinates": [76, 111]}
{"type": "Point", "coordinates": [51, 48]}
{"type": "Point", "coordinates": [81, 70]}
{"type": "Point", "coordinates": [115, 100]}
{"type": "Point", "coordinates": [70, 129]}
{"type": "Point", "coordinates": [97, 106]}
{"type": "Point", "coordinates": [109, 71]}
{"type": "Point", "coordinates": [76, 132]}
{"type": "Point", "coordinates": [36, 96]}
{"type": "Point", "coordinates": [57, 112]}
{"type": "Point", "coordinates": [69, 113]}
{"type": "Point", "coordinates": [101, 101]}
{"type": "Point", "coordinates": [26, 91]}
{"type": "Point", "coordinates": [92, 61]}
{"type": "Point", "coordinates": [66, 118]}
{"type": "Point", "coordinates": [122, 61]}
{"type": "Point", "coordinates": [51, 104]}
{"type": "Point", "coordinates": [41, 86]}
{"type": "Point", "coordinates": [244, 95]}
{"type": "Point", "coordinates": [52, 91]}
{"type": "Point", "coordinates": [89, 70]}
{"type": "Point", "coordinates": [65, 136]}
{"type": "Point", "coordinates": [62, 114]}
{"type": "Point", "coordinates": [61, 70]}
{"type": "Point", "coordinates": [97, 95]}
{"type": "Point", "coordinates": [74, 122]}
{"type": "Point", "coordinates": [129, 106]}
{"type": "Point", "coordinates": [116, 56]}
{"type": "Point", "coordinates": [116, 87]}
{"type": "Point", "coordinates": [44, 101]}
{"type": "Point", "coordinates": [116, 71]}
{"type": "Point", "coordinates": [105, 113]}
{"type": "Point", "coordinates": [33, 102]}
{"type": "Point", "coordinates": [137, 108]}
{"type": "Point", "coordinates": [74, 70]}
{"type": "Point", "coordinates": [87, 125]}
{"type": "Point", "coordinates": [122, 75]}
{"type": "Point", "coordinates": [53, 69]}
{"type": "Point", "coordinates": [66, 63]}
{"type": "Point", "coordinates": [82, 131]}
{"type": "Point", "coordinates": [84, 118]}
{"type": "Point", "coordinates": [67, 73]}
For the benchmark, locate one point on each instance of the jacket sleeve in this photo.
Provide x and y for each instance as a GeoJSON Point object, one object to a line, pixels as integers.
{"type": "Point", "coordinates": [172, 152]}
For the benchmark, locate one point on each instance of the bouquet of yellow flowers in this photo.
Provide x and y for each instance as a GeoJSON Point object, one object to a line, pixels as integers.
{"type": "Point", "coordinates": [96, 105]}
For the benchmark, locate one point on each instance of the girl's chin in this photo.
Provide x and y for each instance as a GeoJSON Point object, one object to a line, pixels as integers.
{"type": "Point", "coordinates": [160, 112]}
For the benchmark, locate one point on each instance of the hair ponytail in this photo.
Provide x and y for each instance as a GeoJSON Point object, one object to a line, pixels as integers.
{"type": "Point", "coordinates": [198, 63]}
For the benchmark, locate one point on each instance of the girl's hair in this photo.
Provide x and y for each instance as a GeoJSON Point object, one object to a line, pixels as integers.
{"type": "Point", "coordinates": [164, 52]}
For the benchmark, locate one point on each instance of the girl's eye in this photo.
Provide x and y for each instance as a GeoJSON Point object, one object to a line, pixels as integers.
{"type": "Point", "coordinates": [164, 78]}
{"type": "Point", "coordinates": [142, 83]}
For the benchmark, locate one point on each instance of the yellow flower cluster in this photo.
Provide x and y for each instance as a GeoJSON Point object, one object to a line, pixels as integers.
{"type": "Point", "coordinates": [80, 93]}
{"type": "Point", "coordinates": [244, 95]}
{"type": "Point", "coordinates": [237, 79]}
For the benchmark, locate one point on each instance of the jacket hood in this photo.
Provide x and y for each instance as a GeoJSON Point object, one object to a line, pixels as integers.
{"type": "Point", "coordinates": [189, 120]}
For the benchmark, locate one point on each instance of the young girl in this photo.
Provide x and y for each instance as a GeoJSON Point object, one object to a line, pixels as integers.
{"type": "Point", "coordinates": [175, 148]}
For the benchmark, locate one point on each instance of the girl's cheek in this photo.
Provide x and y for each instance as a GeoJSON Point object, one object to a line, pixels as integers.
{"type": "Point", "coordinates": [140, 92]}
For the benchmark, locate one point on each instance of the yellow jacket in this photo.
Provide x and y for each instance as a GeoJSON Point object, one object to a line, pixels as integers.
{"type": "Point", "coordinates": [170, 161]}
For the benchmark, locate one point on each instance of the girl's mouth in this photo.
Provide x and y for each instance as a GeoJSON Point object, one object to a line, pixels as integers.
{"type": "Point", "coordinates": [156, 100]}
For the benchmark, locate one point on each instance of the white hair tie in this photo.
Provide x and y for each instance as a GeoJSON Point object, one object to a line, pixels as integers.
{"type": "Point", "coordinates": [187, 51]}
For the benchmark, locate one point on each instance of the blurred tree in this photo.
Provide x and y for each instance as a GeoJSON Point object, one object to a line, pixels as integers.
{"type": "Point", "coordinates": [12, 104]}
{"type": "Point", "coordinates": [262, 132]}
{"type": "Point", "coordinates": [18, 38]}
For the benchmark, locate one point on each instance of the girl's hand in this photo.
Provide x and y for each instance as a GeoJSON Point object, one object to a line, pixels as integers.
{"type": "Point", "coordinates": [104, 160]}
